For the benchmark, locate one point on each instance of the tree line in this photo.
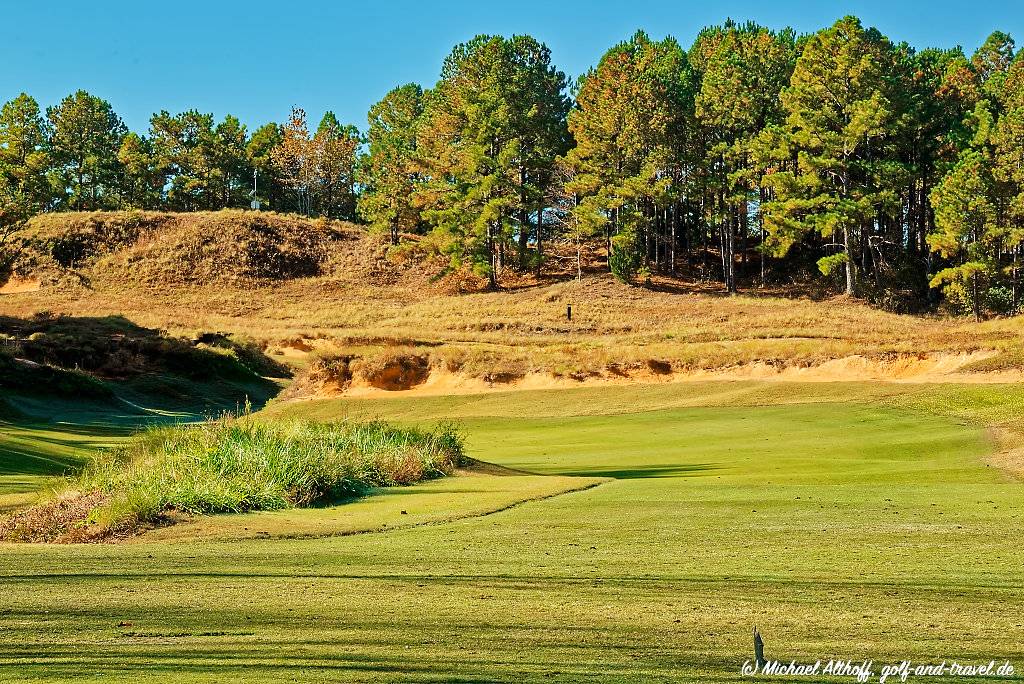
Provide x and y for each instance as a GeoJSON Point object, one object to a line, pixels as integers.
{"type": "Point", "coordinates": [79, 156]}
{"type": "Point", "coordinates": [755, 156]}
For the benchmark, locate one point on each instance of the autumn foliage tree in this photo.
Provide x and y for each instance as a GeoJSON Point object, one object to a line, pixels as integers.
{"type": "Point", "coordinates": [318, 170]}
{"type": "Point", "coordinates": [333, 175]}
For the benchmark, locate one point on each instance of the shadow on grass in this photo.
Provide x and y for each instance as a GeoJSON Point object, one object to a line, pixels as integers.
{"type": "Point", "coordinates": [475, 651]}
{"type": "Point", "coordinates": [680, 470]}
{"type": "Point", "coordinates": [72, 385]}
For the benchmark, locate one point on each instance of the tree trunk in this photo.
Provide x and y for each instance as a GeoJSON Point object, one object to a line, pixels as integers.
{"type": "Point", "coordinates": [524, 220]}
{"type": "Point", "coordinates": [673, 216]}
{"type": "Point", "coordinates": [579, 259]}
{"type": "Point", "coordinates": [524, 236]}
{"type": "Point", "coordinates": [731, 230]}
{"type": "Point", "coordinates": [760, 221]}
{"type": "Point", "coordinates": [851, 285]}
{"type": "Point", "coordinates": [610, 228]}
{"type": "Point", "coordinates": [744, 234]}
{"type": "Point", "coordinates": [727, 240]}
{"type": "Point", "coordinates": [977, 302]}
{"type": "Point", "coordinates": [540, 238]}
{"type": "Point", "coordinates": [1013, 280]}
{"type": "Point", "coordinates": [492, 277]}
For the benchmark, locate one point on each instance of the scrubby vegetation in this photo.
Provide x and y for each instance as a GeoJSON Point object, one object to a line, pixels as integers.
{"type": "Point", "coordinates": [111, 359]}
{"type": "Point", "coordinates": [23, 375]}
{"type": "Point", "coordinates": [163, 248]}
{"type": "Point", "coordinates": [231, 466]}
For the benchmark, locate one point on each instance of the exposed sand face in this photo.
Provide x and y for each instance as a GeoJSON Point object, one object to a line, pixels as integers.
{"type": "Point", "coordinates": [922, 368]}
{"type": "Point", "coordinates": [942, 367]}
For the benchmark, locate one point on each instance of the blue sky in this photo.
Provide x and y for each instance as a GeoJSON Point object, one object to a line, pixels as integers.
{"type": "Point", "coordinates": [257, 59]}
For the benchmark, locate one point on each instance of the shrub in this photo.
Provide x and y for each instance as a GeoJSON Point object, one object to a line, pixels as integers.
{"type": "Point", "coordinates": [958, 299]}
{"type": "Point", "coordinates": [626, 256]}
{"type": "Point", "coordinates": [1000, 300]}
{"type": "Point", "coordinates": [114, 348]}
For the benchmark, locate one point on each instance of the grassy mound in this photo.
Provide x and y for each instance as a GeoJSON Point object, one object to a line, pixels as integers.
{"type": "Point", "coordinates": [117, 251]}
{"type": "Point", "coordinates": [231, 466]}
{"type": "Point", "coordinates": [162, 248]}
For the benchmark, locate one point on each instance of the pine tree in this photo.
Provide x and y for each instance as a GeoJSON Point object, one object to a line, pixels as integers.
{"type": "Point", "coordinates": [486, 146]}
{"type": "Point", "coordinates": [259, 154]}
{"type": "Point", "coordinates": [741, 70]}
{"type": "Point", "coordinates": [229, 162]}
{"type": "Point", "coordinates": [966, 228]}
{"type": "Point", "coordinates": [1008, 167]}
{"type": "Point", "coordinates": [839, 112]}
{"type": "Point", "coordinates": [141, 184]}
{"type": "Point", "coordinates": [631, 117]}
{"type": "Point", "coordinates": [23, 157]}
{"type": "Point", "coordinates": [388, 171]}
{"type": "Point", "coordinates": [85, 136]}
{"type": "Point", "coordinates": [183, 149]}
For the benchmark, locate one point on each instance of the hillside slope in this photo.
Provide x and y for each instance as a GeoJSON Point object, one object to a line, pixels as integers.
{"type": "Point", "coordinates": [352, 315]}
{"type": "Point", "coordinates": [160, 249]}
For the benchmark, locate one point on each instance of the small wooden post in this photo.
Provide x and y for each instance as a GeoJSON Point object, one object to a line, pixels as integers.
{"type": "Point", "coordinates": [568, 312]}
{"type": "Point", "coordinates": [759, 649]}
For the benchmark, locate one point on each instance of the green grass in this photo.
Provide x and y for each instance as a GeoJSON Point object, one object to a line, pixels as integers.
{"type": "Point", "coordinates": [49, 436]}
{"type": "Point", "coordinates": [847, 520]}
{"type": "Point", "coordinates": [236, 465]}
{"type": "Point", "coordinates": [470, 494]}
{"type": "Point", "coordinates": [50, 429]}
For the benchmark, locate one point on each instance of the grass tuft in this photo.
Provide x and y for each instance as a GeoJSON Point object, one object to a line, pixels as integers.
{"type": "Point", "coordinates": [236, 465]}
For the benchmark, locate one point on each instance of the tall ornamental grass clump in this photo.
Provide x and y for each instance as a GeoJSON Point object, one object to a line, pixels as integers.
{"type": "Point", "coordinates": [235, 465]}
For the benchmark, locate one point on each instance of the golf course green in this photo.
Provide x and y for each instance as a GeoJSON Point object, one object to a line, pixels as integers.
{"type": "Point", "coordinates": [845, 520]}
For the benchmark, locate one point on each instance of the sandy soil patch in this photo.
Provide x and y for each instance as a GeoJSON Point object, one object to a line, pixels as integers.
{"type": "Point", "coordinates": [18, 285]}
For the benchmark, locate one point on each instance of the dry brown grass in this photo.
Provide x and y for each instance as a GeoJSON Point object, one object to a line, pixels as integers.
{"type": "Point", "coordinates": [62, 520]}
{"type": "Point", "coordinates": [156, 248]}
{"type": "Point", "coordinates": [366, 303]}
